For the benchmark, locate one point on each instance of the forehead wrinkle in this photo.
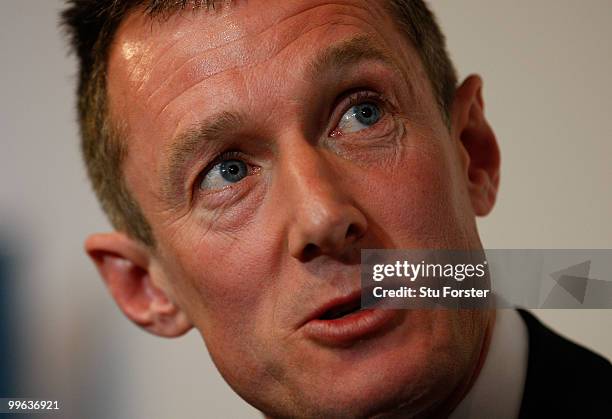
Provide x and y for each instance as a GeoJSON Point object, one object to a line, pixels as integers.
{"type": "Point", "coordinates": [186, 145]}
{"type": "Point", "coordinates": [356, 49]}
{"type": "Point", "coordinates": [264, 56]}
{"type": "Point", "coordinates": [217, 127]}
{"type": "Point", "coordinates": [134, 49]}
{"type": "Point", "coordinates": [350, 52]}
{"type": "Point", "coordinates": [274, 26]}
{"type": "Point", "coordinates": [161, 53]}
{"type": "Point", "coordinates": [175, 81]}
{"type": "Point", "coordinates": [168, 79]}
{"type": "Point", "coordinates": [177, 71]}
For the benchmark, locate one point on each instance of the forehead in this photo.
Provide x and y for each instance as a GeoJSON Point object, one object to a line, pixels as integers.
{"type": "Point", "coordinates": [167, 74]}
{"type": "Point", "coordinates": [152, 58]}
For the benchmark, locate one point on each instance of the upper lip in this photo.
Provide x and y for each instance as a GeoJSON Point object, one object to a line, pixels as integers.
{"type": "Point", "coordinates": [354, 296]}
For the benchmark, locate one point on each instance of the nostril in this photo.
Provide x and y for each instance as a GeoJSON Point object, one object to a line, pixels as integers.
{"type": "Point", "coordinates": [310, 251]}
{"type": "Point", "coordinates": [352, 232]}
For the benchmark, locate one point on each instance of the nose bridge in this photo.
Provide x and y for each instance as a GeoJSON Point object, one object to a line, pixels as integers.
{"type": "Point", "coordinates": [321, 217]}
{"type": "Point", "coordinates": [309, 176]}
{"type": "Point", "coordinates": [308, 182]}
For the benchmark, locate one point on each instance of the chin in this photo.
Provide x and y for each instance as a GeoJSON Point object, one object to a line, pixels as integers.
{"type": "Point", "coordinates": [414, 368]}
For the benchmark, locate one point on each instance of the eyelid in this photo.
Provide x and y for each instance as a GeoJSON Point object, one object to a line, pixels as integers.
{"type": "Point", "coordinates": [220, 157]}
{"type": "Point", "coordinates": [350, 99]}
{"type": "Point", "coordinates": [224, 155]}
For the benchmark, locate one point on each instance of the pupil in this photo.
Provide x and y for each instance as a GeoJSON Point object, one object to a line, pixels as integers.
{"type": "Point", "coordinates": [233, 170]}
{"type": "Point", "coordinates": [366, 112]}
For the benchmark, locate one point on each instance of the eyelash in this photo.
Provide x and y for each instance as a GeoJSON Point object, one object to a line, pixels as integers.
{"type": "Point", "coordinates": [225, 155]}
{"type": "Point", "coordinates": [344, 103]}
{"type": "Point", "coordinates": [353, 98]}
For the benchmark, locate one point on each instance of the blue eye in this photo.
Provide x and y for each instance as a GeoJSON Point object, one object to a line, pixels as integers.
{"type": "Point", "coordinates": [359, 117]}
{"type": "Point", "coordinates": [224, 173]}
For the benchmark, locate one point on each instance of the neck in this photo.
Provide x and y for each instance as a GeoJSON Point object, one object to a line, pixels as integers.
{"type": "Point", "coordinates": [444, 409]}
{"type": "Point", "coordinates": [464, 387]}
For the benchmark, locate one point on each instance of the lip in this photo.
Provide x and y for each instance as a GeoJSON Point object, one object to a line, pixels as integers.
{"type": "Point", "coordinates": [349, 328]}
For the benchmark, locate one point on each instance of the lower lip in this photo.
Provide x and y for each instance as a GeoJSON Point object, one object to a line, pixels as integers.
{"type": "Point", "coordinates": [345, 330]}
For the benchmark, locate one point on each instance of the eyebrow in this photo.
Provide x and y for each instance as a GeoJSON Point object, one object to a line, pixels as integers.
{"type": "Point", "coordinates": [218, 128]}
{"type": "Point", "coordinates": [348, 53]}
{"type": "Point", "coordinates": [215, 129]}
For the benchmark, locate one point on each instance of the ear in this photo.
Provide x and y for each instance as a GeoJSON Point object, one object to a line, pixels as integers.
{"type": "Point", "coordinates": [477, 145]}
{"type": "Point", "coordinates": [125, 266]}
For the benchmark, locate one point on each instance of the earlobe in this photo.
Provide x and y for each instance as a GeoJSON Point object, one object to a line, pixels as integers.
{"type": "Point", "coordinates": [124, 264]}
{"type": "Point", "coordinates": [477, 145]}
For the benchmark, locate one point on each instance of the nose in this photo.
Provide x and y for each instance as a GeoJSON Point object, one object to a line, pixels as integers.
{"type": "Point", "coordinates": [322, 218]}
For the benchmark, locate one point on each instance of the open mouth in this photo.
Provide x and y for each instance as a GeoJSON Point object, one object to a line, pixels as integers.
{"type": "Point", "coordinates": [344, 321]}
{"type": "Point", "coordinates": [342, 310]}
{"type": "Point", "coordinates": [350, 306]}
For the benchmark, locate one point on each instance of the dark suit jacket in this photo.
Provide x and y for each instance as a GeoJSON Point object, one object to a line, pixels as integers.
{"type": "Point", "coordinates": [564, 379]}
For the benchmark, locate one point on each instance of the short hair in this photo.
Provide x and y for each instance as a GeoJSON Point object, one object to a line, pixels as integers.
{"type": "Point", "coordinates": [91, 26]}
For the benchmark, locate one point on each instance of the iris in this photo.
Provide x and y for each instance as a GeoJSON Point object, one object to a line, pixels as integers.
{"type": "Point", "coordinates": [367, 113]}
{"type": "Point", "coordinates": [359, 117]}
{"type": "Point", "coordinates": [223, 174]}
{"type": "Point", "coordinates": [233, 170]}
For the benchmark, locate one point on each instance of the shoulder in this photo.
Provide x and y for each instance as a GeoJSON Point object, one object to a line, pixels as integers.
{"type": "Point", "coordinates": [564, 379]}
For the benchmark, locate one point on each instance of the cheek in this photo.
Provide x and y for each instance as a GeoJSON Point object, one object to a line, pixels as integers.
{"type": "Point", "coordinates": [415, 202]}
{"type": "Point", "coordinates": [218, 286]}
{"type": "Point", "coordinates": [226, 286]}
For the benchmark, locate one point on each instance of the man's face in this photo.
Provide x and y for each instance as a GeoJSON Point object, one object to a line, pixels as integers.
{"type": "Point", "coordinates": [267, 144]}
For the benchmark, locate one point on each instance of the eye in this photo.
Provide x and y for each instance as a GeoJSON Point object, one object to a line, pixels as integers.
{"type": "Point", "coordinates": [224, 173]}
{"type": "Point", "coordinates": [359, 117]}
